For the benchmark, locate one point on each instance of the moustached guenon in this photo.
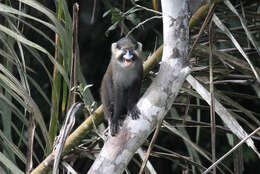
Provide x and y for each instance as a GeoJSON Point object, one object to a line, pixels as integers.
{"type": "Point", "coordinates": [120, 88]}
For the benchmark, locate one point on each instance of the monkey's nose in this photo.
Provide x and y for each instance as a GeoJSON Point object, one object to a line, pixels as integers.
{"type": "Point", "coordinates": [128, 55]}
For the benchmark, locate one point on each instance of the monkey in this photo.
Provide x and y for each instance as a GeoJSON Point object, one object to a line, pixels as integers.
{"type": "Point", "coordinates": [121, 84]}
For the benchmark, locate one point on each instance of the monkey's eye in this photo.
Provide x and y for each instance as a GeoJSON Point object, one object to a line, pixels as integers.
{"type": "Point", "coordinates": [123, 50]}
{"type": "Point", "coordinates": [118, 47]}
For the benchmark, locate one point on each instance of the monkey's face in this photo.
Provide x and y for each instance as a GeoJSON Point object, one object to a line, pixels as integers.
{"type": "Point", "coordinates": [126, 51]}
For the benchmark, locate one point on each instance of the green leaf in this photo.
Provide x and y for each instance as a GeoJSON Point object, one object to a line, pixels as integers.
{"type": "Point", "coordinates": [27, 102]}
{"type": "Point", "coordinates": [36, 46]}
{"type": "Point", "coordinates": [132, 18]}
{"type": "Point", "coordinates": [9, 164]}
{"type": "Point", "coordinates": [106, 13]}
{"type": "Point", "coordinates": [12, 146]}
{"type": "Point", "coordinates": [117, 15]}
{"type": "Point", "coordinates": [111, 28]}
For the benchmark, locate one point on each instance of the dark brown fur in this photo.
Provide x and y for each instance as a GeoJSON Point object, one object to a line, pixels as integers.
{"type": "Point", "coordinates": [120, 88]}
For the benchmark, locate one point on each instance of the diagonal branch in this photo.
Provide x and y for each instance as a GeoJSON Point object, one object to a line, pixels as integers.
{"type": "Point", "coordinates": [97, 117]}
{"type": "Point", "coordinates": [157, 100]}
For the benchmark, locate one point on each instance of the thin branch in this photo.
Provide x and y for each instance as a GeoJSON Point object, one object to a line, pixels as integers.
{"type": "Point", "coordinates": [212, 97]}
{"type": "Point", "coordinates": [208, 17]}
{"type": "Point", "coordinates": [149, 166]}
{"type": "Point", "coordinates": [142, 23]}
{"type": "Point", "coordinates": [31, 132]}
{"type": "Point", "coordinates": [64, 133]}
{"type": "Point", "coordinates": [231, 150]}
{"type": "Point", "coordinates": [148, 9]}
{"type": "Point", "coordinates": [93, 11]}
{"type": "Point", "coordinates": [242, 82]}
{"type": "Point", "coordinates": [73, 77]}
{"type": "Point", "coordinates": [150, 146]}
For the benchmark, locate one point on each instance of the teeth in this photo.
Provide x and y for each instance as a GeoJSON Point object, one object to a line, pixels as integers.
{"type": "Point", "coordinates": [128, 55]}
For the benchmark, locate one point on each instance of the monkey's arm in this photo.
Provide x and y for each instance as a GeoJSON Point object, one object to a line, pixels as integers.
{"type": "Point", "coordinates": [118, 110]}
{"type": "Point", "coordinates": [107, 94]}
{"type": "Point", "coordinates": [133, 96]}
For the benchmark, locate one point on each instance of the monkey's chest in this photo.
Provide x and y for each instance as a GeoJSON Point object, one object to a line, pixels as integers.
{"type": "Point", "coordinates": [125, 79]}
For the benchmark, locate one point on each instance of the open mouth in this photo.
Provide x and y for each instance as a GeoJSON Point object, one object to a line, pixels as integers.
{"type": "Point", "coordinates": [128, 58]}
{"type": "Point", "coordinates": [127, 62]}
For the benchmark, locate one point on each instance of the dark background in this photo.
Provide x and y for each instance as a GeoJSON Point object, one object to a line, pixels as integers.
{"type": "Point", "coordinates": [94, 48]}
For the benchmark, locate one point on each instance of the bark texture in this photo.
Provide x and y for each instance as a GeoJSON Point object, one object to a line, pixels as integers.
{"type": "Point", "coordinates": [157, 100]}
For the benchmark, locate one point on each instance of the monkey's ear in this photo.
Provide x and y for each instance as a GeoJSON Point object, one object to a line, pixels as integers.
{"type": "Point", "coordinates": [113, 47]}
{"type": "Point", "coordinates": [140, 46]}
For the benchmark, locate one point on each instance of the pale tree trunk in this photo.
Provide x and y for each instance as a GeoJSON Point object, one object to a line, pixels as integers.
{"type": "Point", "coordinates": [157, 100]}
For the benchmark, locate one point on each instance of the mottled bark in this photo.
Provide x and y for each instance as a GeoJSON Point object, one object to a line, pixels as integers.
{"type": "Point", "coordinates": [157, 100]}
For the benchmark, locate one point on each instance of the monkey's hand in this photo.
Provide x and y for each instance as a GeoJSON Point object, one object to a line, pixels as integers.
{"type": "Point", "coordinates": [134, 113]}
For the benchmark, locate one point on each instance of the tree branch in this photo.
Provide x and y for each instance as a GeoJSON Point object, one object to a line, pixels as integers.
{"type": "Point", "coordinates": [76, 137]}
{"type": "Point", "coordinates": [157, 100]}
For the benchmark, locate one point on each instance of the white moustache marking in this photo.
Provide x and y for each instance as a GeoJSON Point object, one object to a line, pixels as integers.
{"type": "Point", "coordinates": [128, 55]}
